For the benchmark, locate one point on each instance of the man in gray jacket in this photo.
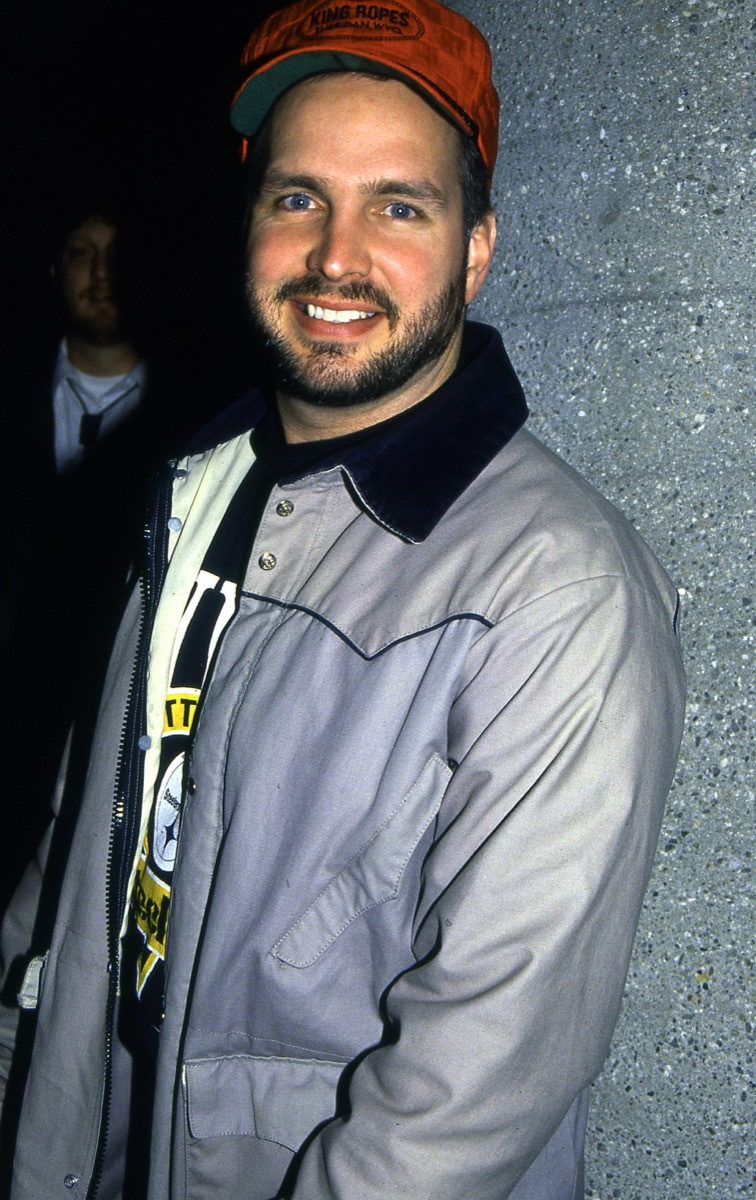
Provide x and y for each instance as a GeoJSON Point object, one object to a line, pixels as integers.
{"type": "Point", "coordinates": [389, 724]}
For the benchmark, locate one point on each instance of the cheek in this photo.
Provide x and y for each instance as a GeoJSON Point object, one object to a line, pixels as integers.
{"type": "Point", "coordinates": [272, 254]}
{"type": "Point", "coordinates": [75, 278]}
{"type": "Point", "coordinates": [417, 273]}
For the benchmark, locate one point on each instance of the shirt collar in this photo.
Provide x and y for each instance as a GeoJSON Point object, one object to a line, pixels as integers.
{"type": "Point", "coordinates": [119, 384]}
{"type": "Point", "coordinates": [409, 470]}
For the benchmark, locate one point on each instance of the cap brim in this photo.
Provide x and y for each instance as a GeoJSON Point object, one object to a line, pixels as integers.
{"type": "Point", "coordinates": [260, 92]}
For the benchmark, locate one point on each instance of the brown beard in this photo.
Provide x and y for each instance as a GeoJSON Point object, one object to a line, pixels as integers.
{"type": "Point", "coordinates": [325, 376]}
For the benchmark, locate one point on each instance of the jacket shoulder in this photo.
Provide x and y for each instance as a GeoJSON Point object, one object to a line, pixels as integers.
{"type": "Point", "coordinates": [539, 526]}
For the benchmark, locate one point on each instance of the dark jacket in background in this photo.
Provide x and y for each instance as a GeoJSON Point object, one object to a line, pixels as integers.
{"type": "Point", "coordinates": [68, 548]}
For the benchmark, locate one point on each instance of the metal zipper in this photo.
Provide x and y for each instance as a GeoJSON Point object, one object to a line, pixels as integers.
{"type": "Point", "coordinates": [128, 790]}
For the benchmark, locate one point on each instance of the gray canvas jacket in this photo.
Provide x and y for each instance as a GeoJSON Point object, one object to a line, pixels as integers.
{"type": "Point", "coordinates": [422, 803]}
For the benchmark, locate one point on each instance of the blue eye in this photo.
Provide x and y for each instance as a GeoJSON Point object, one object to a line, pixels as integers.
{"type": "Point", "coordinates": [400, 210]}
{"type": "Point", "coordinates": [297, 202]}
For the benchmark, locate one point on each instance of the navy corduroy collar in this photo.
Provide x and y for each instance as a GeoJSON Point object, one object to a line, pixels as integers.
{"type": "Point", "coordinates": [409, 470]}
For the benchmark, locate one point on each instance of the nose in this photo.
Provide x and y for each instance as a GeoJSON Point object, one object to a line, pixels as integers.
{"type": "Point", "coordinates": [102, 266]}
{"type": "Point", "coordinates": [341, 249]}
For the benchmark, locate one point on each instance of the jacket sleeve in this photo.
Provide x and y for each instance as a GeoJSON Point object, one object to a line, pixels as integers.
{"type": "Point", "coordinates": [566, 731]}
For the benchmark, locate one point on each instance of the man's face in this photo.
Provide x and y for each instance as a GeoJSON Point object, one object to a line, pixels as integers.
{"type": "Point", "coordinates": [358, 266]}
{"type": "Point", "coordinates": [84, 273]}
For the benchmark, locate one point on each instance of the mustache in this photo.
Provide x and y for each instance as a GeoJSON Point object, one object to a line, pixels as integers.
{"type": "Point", "coordinates": [315, 287]}
{"type": "Point", "coordinates": [96, 293]}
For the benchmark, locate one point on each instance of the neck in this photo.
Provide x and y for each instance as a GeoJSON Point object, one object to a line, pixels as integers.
{"type": "Point", "coordinates": [303, 421]}
{"type": "Point", "coordinates": [116, 359]}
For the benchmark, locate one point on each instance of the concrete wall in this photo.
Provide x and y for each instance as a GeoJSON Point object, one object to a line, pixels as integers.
{"type": "Point", "coordinates": [625, 292]}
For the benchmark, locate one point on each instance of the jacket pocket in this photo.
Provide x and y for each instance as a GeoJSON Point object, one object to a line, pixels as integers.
{"type": "Point", "coordinates": [245, 1118]}
{"type": "Point", "coordinates": [373, 876]}
{"type": "Point", "coordinates": [277, 1099]}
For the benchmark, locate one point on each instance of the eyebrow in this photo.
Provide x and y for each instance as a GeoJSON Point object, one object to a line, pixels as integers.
{"type": "Point", "coordinates": [422, 190]}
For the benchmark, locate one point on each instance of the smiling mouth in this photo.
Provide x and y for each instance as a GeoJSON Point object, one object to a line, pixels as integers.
{"type": "Point", "coordinates": [336, 316]}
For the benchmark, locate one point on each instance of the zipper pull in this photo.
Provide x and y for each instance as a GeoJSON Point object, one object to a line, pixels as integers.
{"type": "Point", "coordinates": [31, 988]}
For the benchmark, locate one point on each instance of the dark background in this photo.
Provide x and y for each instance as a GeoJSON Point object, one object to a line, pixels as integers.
{"type": "Point", "coordinates": [130, 102]}
{"type": "Point", "coordinates": [138, 95]}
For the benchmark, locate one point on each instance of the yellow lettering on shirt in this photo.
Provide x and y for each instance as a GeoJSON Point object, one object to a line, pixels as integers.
{"type": "Point", "coordinates": [180, 707]}
{"type": "Point", "coordinates": [150, 900]}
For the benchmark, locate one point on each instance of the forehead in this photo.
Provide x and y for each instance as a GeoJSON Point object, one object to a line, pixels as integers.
{"type": "Point", "coordinates": [95, 230]}
{"type": "Point", "coordinates": [353, 124]}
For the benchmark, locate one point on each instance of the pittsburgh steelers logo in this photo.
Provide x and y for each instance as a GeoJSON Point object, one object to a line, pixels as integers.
{"type": "Point", "coordinates": [166, 816]}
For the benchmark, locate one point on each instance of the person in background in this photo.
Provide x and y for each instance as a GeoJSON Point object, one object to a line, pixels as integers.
{"type": "Point", "coordinates": [99, 377]}
{"type": "Point", "coordinates": [389, 724]}
{"type": "Point", "coordinates": [89, 426]}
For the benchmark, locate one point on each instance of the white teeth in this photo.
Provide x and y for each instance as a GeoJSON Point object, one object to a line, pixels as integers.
{"type": "Point", "coordinates": [336, 316]}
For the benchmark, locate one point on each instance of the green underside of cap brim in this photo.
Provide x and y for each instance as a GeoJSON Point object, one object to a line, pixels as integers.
{"type": "Point", "coordinates": [264, 89]}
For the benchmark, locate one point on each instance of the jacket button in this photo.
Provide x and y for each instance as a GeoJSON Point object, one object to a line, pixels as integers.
{"type": "Point", "coordinates": [284, 508]}
{"type": "Point", "coordinates": [191, 785]}
{"type": "Point", "coordinates": [267, 561]}
{"type": "Point", "coordinates": [174, 524]}
{"type": "Point", "coordinates": [71, 1182]}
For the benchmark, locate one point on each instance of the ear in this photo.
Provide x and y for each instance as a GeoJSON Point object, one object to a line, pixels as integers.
{"type": "Point", "coordinates": [479, 254]}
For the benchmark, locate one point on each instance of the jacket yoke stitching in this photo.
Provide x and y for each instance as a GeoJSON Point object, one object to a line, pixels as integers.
{"type": "Point", "coordinates": [367, 657]}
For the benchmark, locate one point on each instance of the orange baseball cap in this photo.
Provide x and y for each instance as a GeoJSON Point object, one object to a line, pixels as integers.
{"type": "Point", "coordinates": [432, 48]}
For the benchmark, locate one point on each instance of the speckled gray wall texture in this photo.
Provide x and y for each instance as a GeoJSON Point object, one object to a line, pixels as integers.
{"type": "Point", "coordinates": [624, 288]}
